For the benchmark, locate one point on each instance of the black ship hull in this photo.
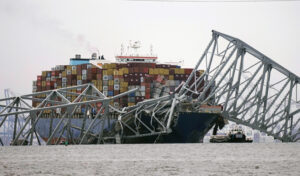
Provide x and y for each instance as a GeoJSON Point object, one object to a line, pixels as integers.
{"type": "Point", "coordinates": [190, 127]}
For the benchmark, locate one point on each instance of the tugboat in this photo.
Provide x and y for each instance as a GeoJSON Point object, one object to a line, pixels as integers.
{"type": "Point", "coordinates": [235, 135]}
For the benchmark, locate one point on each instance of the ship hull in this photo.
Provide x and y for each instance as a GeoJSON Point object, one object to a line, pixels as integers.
{"type": "Point", "coordinates": [190, 127]}
{"type": "Point", "coordinates": [46, 126]}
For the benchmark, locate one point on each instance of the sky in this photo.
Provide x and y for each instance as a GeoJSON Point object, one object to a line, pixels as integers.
{"type": "Point", "coordinates": [37, 35]}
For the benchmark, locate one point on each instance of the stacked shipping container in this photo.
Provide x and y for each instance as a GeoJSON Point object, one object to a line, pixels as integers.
{"type": "Point", "coordinates": [153, 80]}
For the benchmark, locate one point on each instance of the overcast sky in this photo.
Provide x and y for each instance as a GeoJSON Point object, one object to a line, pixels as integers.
{"type": "Point", "coordinates": [37, 35]}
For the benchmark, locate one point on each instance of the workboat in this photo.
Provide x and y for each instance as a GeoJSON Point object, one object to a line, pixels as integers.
{"type": "Point", "coordinates": [235, 135]}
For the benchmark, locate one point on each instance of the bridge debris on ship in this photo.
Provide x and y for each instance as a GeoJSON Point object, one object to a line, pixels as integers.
{"type": "Point", "coordinates": [239, 84]}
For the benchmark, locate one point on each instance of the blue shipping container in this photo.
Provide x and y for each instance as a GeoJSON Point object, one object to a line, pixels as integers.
{"type": "Point", "coordinates": [110, 93]}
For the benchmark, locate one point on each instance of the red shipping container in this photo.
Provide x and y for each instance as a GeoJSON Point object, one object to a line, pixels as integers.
{"type": "Point", "coordinates": [39, 78]}
{"type": "Point", "coordinates": [136, 70]}
{"type": "Point", "coordinates": [94, 70]}
{"type": "Point", "coordinates": [98, 105]}
{"type": "Point", "coordinates": [147, 96]}
{"type": "Point", "coordinates": [131, 70]}
{"type": "Point", "coordinates": [74, 82]}
{"type": "Point", "coordinates": [111, 88]}
{"type": "Point", "coordinates": [84, 66]}
{"type": "Point", "coordinates": [99, 77]}
{"type": "Point", "coordinates": [99, 71]}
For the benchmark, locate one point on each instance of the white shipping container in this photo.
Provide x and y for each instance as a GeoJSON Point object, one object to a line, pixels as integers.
{"type": "Point", "coordinates": [48, 79]}
{"type": "Point", "coordinates": [167, 83]}
{"type": "Point", "coordinates": [105, 88]}
{"type": "Point", "coordinates": [34, 83]}
{"type": "Point", "coordinates": [116, 104]}
{"type": "Point", "coordinates": [83, 72]}
{"type": "Point", "coordinates": [138, 93]}
{"type": "Point", "coordinates": [155, 95]}
{"type": "Point", "coordinates": [64, 80]}
{"type": "Point", "coordinates": [58, 110]}
{"type": "Point", "coordinates": [105, 92]}
{"type": "Point", "coordinates": [83, 77]}
{"type": "Point", "coordinates": [143, 88]}
{"type": "Point", "coordinates": [55, 85]}
{"type": "Point", "coordinates": [116, 81]}
{"type": "Point", "coordinates": [143, 94]}
{"type": "Point", "coordinates": [116, 87]}
{"type": "Point", "coordinates": [59, 76]}
{"type": "Point", "coordinates": [89, 66]}
{"type": "Point", "coordinates": [142, 79]}
{"type": "Point", "coordinates": [131, 87]}
{"type": "Point", "coordinates": [172, 83]}
{"type": "Point", "coordinates": [69, 72]}
{"type": "Point", "coordinates": [73, 67]}
{"type": "Point", "coordinates": [79, 82]}
{"type": "Point", "coordinates": [105, 77]}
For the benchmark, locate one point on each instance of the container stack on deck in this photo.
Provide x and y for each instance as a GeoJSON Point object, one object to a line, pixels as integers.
{"type": "Point", "coordinates": [153, 80]}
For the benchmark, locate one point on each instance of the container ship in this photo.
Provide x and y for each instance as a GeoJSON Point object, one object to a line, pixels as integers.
{"type": "Point", "coordinates": [129, 71]}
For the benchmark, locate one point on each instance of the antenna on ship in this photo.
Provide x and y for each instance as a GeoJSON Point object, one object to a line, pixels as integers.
{"type": "Point", "coordinates": [128, 47]}
{"type": "Point", "coordinates": [151, 50]}
{"type": "Point", "coordinates": [136, 45]}
{"type": "Point", "coordinates": [122, 49]}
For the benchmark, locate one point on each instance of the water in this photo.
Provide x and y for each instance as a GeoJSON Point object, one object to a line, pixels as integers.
{"type": "Point", "coordinates": [153, 159]}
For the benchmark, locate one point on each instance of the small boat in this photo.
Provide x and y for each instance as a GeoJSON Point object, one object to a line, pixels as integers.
{"type": "Point", "coordinates": [235, 135]}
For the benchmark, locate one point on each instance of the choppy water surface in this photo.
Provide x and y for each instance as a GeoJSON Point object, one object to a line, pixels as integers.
{"type": "Point", "coordinates": [153, 159]}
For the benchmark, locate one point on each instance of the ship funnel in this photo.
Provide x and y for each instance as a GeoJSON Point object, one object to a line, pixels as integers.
{"type": "Point", "coordinates": [77, 56]}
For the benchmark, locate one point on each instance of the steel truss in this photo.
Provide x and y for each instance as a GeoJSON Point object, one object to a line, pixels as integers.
{"type": "Point", "coordinates": [56, 100]}
{"type": "Point", "coordinates": [254, 90]}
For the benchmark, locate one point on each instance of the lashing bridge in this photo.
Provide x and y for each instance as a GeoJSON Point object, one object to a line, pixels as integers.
{"type": "Point", "coordinates": [253, 89]}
